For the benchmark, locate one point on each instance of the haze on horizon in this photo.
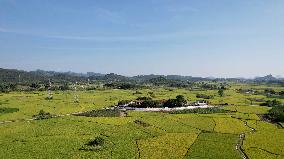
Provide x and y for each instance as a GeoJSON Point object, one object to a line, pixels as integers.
{"type": "Point", "coordinates": [205, 38]}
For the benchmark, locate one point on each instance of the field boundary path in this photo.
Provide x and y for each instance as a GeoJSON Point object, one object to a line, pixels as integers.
{"type": "Point", "coordinates": [31, 119]}
{"type": "Point", "coordinates": [239, 146]}
{"type": "Point", "coordinates": [241, 141]}
{"type": "Point", "coordinates": [76, 113]}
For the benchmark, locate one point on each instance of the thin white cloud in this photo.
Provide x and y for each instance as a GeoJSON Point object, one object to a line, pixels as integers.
{"type": "Point", "coordinates": [4, 30]}
{"type": "Point", "coordinates": [146, 37]}
{"type": "Point", "coordinates": [139, 38]}
{"type": "Point", "coordinates": [96, 48]}
{"type": "Point", "coordinates": [158, 37]}
{"type": "Point", "coordinates": [98, 38]}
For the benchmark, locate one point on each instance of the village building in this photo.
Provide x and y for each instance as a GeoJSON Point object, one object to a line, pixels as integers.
{"type": "Point", "coordinates": [201, 103]}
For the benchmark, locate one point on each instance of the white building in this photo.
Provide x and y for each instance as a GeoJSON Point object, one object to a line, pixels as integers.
{"type": "Point", "coordinates": [201, 102]}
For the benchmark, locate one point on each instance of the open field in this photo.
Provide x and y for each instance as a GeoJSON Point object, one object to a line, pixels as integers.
{"type": "Point", "coordinates": [140, 134]}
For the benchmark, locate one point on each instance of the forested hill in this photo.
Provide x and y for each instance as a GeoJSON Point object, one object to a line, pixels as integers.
{"type": "Point", "coordinates": [40, 76]}
{"type": "Point", "coordinates": [19, 76]}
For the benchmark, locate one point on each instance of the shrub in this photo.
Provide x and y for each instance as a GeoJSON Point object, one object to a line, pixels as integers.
{"type": "Point", "coordinates": [269, 91]}
{"type": "Point", "coordinates": [276, 114]}
{"type": "Point", "coordinates": [98, 141]}
{"type": "Point", "coordinates": [141, 123]}
{"type": "Point", "coordinates": [137, 92]}
{"type": "Point", "coordinates": [271, 103]}
{"type": "Point", "coordinates": [152, 95]}
{"type": "Point", "coordinates": [204, 96]}
{"type": "Point", "coordinates": [8, 110]}
{"type": "Point", "coordinates": [94, 144]}
{"type": "Point", "coordinates": [49, 98]}
{"type": "Point", "coordinates": [42, 115]}
{"type": "Point", "coordinates": [144, 98]}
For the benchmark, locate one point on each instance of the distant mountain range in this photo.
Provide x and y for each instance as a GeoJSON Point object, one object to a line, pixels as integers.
{"type": "Point", "coordinates": [266, 78]}
{"type": "Point", "coordinates": [14, 75]}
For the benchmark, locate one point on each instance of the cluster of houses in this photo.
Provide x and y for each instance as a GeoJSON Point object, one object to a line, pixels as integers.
{"type": "Point", "coordinates": [246, 91]}
{"type": "Point", "coordinates": [197, 104]}
{"type": "Point", "coordinates": [200, 103]}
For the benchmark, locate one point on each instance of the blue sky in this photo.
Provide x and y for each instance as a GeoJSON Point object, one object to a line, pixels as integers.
{"type": "Point", "coordinates": [222, 38]}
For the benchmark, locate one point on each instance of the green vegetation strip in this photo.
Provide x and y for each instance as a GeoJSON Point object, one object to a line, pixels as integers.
{"type": "Point", "coordinates": [8, 110]}
{"type": "Point", "coordinates": [199, 111]}
{"type": "Point", "coordinates": [100, 113]}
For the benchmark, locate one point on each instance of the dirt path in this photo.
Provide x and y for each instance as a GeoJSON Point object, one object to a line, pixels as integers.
{"type": "Point", "coordinates": [241, 140]}
{"type": "Point", "coordinates": [239, 146]}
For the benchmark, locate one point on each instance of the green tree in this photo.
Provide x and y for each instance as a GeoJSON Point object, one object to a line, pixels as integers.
{"type": "Point", "coordinates": [35, 85]}
{"type": "Point", "coordinates": [221, 92]}
{"type": "Point", "coordinates": [170, 103]}
{"type": "Point", "coordinates": [178, 102]}
{"type": "Point", "coordinates": [277, 113]}
{"type": "Point", "coordinates": [181, 101]}
{"type": "Point", "coordinates": [272, 103]}
{"type": "Point", "coordinates": [149, 103]}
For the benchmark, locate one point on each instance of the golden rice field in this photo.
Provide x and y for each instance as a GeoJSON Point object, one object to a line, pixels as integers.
{"type": "Point", "coordinates": [164, 136]}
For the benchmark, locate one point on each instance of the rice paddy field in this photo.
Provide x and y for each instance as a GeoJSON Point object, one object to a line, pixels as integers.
{"type": "Point", "coordinates": [162, 135]}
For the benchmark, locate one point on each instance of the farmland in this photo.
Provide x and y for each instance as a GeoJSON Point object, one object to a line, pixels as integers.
{"type": "Point", "coordinates": [141, 79]}
{"type": "Point", "coordinates": [139, 134]}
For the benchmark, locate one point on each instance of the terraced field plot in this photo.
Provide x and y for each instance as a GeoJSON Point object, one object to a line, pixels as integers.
{"type": "Point", "coordinates": [199, 122]}
{"type": "Point", "coordinates": [248, 109]}
{"type": "Point", "coordinates": [214, 145]}
{"type": "Point", "coordinates": [230, 125]}
{"type": "Point", "coordinates": [170, 145]}
{"type": "Point", "coordinates": [268, 140]}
